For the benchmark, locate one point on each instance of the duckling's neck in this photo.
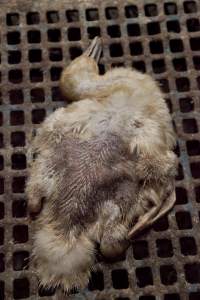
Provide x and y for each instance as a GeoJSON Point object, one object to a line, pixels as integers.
{"type": "Point", "coordinates": [83, 85]}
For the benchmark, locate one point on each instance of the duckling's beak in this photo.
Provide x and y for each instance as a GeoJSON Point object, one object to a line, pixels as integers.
{"type": "Point", "coordinates": [95, 48]}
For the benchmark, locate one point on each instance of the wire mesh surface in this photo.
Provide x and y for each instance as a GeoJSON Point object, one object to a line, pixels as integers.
{"type": "Point", "coordinates": [162, 38]}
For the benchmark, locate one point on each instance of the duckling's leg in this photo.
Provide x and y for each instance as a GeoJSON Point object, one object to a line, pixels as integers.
{"type": "Point", "coordinates": [160, 207]}
{"type": "Point", "coordinates": [76, 79]}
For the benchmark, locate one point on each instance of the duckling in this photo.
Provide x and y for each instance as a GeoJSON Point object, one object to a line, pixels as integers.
{"type": "Point", "coordinates": [104, 169]}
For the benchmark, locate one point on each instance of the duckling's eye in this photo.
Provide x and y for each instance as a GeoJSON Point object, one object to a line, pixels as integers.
{"type": "Point", "coordinates": [141, 182]}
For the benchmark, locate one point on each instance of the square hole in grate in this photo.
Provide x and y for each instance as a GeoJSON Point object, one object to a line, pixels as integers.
{"type": "Point", "coordinates": [15, 76]}
{"type": "Point", "coordinates": [181, 195]}
{"type": "Point", "coordinates": [183, 219]}
{"type": "Point", "coordinates": [197, 193]}
{"type": "Point", "coordinates": [195, 169]}
{"type": "Point", "coordinates": [96, 281]}
{"type": "Point", "coordinates": [19, 208]}
{"type": "Point", "coordinates": [162, 224]}
{"type": "Point", "coordinates": [179, 64]}
{"type": "Point", "coordinates": [13, 38]}
{"type": "Point", "coordinates": [133, 29]}
{"type": "Point", "coordinates": [193, 24]}
{"type": "Point", "coordinates": [1, 141]}
{"type": "Point", "coordinates": [195, 43]}
{"type": "Point", "coordinates": [140, 249]}
{"type": "Point", "coordinates": [72, 15]}
{"type": "Point", "coordinates": [37, 95]}
{"type": "Point", "coordinates": [2, 263]}
{"type": "Point", "coordinates": [36, 75]}
{"type": "Point", "coordinates": [111, 13]}
{"type": "Point", "coordinates": [186, 104]}
{"type": "Point", "coordinates": [17, 117]}
{"type": "Point", "coordinates": [190, 7]}
{"type": "Point", "coordinates": [18, 161]}
{"type": "Point", "coordinates": [114, 31]}
{"type": "Point", "coordinates": [196, 62]}
{"type": "Point", "coordinates": [188, 246]}
{"type": "Point", "coordinates": [2, 290]}
{"type": "Point", "coordinates": [12, 19]}
{"type": "Point", "coordinates": [21, 288]}
{"type": "Point", "coordinates": [55, 54]}
{"type": "Point", "coordinates": [172, 297]}
{"type": "Point", "coordinates": [18, 184]}
{"type": "Point", "coordinates": [170, 8]}
{"type": "Point", "coordinates": [55, 73]}
{"type": "Point", "coordinates": [75, 52]}
{"type": "Point", "coordinates": [131, 11]}
{"type": "Point", "coordinates": [54, 35]}
{"type": "Point", "coordinates": [158, 66]}
{"type": "Point", "coordinates": [1, 185]}
{"type": "Point", "coordinates": [74, 34]}
{"type": "Point", "coordinates": [2, 210]}
{"type": "Point", "coordinates": [14, 57]}
{"type": "Point", "coordinates": [144, 276]}
{"type": "Point", "coordinates": [176, 45]}
{"type": "Point", "coordinates": [156, 47]}
{"type": "Point", "coordinates": [16, 96]}
{"type": "Point", "coordinates": [38, 115]}
{"type": "Point", "coordinates": [153, 28]}
{"type": "Point", "coordinates": [164, 248]}
{"type": "Point", "coordinates": [173, 26]}
{"type": "Point", "coordinates": [120, 279]}
{"type": "Point", "coordinates": [1, 118]}
{"type": "Point", "coordinates": [20, 233]}
{"type": "Point", "coordinates": [101, 69]}
{"type": "Point", "coordinates": [151, 10]}
{"type": "Point", "coordinates": [52, 16]}
{"type": "Point", "coordinates": [168, 275]}
{"type": "Point", "coordinates": [46, 292]}
{"type": "Point", "coordinates": [20, 260]}
{"type": "Point", "coordinates": [116, 50]}
{"type": "Point", "coordinates": [190, 126]}
{"type": "Point", "coordinates": [93, 31]}
{"type": "Point", "coordinates": [1, 236]}
{"type": "Point", "coordinates": [194, 296]}
{"type": "Point", "coordinates": [192, 272]}
{"type": "Point", "coordinates": [1, 163]}
{"type": "Point", "coordinates": [34, 36]}
{"type": "Point", "coordinates": [198, 82]}
{"type": "Point", "coordinates": [136, 48]}
{"type": "Point", "coordinates": [183, 84]}
{"type": "Point", "coordinates": [35, 55]}
{"type": "Point", "coordinates": [33, 18]}
{"type": "Point", "coordinates": [18, 139]}
{"type": "Point", "coordinates": [139, 65]}
{"type": "Point", "coordinates": [56, 94]}
{"type": "Point", "coordinates": [92, 14]}
{"type": "Point", "coordinates": [193, 147]}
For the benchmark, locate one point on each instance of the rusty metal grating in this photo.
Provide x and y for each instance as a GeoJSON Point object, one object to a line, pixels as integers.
{"type": "Point", "coordinates": [161, 38]}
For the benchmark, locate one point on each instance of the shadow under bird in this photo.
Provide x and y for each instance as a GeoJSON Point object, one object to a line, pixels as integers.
{"type": "Point", "coordinates": [104, 169]}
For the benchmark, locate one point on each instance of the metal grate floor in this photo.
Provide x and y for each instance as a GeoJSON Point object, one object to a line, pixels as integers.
{"type": "Point", "coordinates": [161, 38]}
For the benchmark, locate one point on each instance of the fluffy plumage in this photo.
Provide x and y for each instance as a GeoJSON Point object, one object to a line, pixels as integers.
{"type": "Point", "coordinates": [104, 169]}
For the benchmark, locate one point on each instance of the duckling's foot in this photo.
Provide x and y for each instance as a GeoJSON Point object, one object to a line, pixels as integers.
{"type": "Point", "coordinates": [94, 50]}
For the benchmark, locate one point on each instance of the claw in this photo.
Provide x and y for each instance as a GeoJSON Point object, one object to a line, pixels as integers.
{"type": "Point", "coordinates": [94, 50]}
